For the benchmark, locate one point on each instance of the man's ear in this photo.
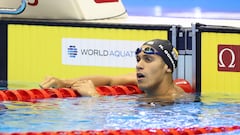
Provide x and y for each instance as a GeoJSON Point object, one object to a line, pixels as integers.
{"type": "Point", "coordinates": [169, 70]}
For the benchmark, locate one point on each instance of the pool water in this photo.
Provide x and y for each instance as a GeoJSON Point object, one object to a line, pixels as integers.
{"type": "Point", "coordinates": [116, 112]}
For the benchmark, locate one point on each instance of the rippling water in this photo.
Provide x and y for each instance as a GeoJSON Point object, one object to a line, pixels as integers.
{"type": "Point", "coordinates": [116, 112]}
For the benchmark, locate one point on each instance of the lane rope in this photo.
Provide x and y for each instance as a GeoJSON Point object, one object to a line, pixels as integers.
{"type": "Point", "coordinates": [33, 94]}
{"type": "Point", "coordinates": [161, 131]}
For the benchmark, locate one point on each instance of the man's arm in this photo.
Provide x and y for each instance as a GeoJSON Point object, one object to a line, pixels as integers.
{"type": "Point", "coordinates": [53, 82]}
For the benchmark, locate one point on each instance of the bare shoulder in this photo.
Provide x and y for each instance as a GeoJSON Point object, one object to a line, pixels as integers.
{"type": "Point", "coordinates": [181, 95]}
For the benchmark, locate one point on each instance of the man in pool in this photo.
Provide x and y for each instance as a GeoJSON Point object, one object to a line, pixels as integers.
{"type": "Point", "coordinates": [156, 61]}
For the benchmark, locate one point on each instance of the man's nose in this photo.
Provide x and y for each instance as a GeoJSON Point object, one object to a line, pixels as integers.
{"type": "Point", "coordinates": [139, 65]}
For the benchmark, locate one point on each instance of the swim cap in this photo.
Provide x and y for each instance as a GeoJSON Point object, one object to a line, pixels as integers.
{"type": "Point", "coordinates": [168, 53]}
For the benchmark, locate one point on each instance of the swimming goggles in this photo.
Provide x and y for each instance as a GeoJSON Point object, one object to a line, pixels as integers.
{"type": "Point", "coordinates": [147, 50]}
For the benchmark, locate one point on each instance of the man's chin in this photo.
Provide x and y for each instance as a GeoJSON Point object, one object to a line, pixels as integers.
{"type": "Point", "coordinates": [142, 87]}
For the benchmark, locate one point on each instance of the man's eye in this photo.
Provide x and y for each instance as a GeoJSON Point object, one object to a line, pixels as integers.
{"type": "Point", "coordinates": [148, 59]}
{"type": "Point", "coordinates": [137, 59]}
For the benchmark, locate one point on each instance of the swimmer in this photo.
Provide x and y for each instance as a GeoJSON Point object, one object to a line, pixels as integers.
{"type": "Point", "coordinates": [156, 61]}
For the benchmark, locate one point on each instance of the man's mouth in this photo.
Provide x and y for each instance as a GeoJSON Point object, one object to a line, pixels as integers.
{"type": "Point", "coordinates": [140, 75]}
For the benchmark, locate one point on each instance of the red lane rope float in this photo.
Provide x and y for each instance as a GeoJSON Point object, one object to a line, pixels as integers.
{"type": "Point", "coordinates": [26, 94]}
{"type": "Point", "coordinates": [185, 85]}
{"type": "Point", "coordinates": [133, 89]}
{"type": "Point", "coordinates": [161, 131]}
{"type": "Point", "coordinates": [3, 96]}
{"type": "Point", "coordinates": [106, 90]}
{"type": "Point", "coordinates": [13, 95]}
{"type": "Point", "coordinates": [40, 93]}
{"type": "Point", "coordinates": [32, 94]}
{"type": "Point", "coordinates": [66, 92]}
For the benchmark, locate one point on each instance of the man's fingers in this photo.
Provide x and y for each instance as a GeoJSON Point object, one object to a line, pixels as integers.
{"type": "Point", "coordinates": [49, 82]}
{"type": "Point", "coordinates": [85, 88]}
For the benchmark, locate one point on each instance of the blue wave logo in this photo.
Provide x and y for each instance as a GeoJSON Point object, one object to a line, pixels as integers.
{"type": "Point", "coordinates": [72, 51]}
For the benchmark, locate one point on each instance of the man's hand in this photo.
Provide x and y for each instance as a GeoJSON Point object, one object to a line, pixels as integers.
{"type": "Point", "coordinates": [52, 82]}
{"type": "Point", "coordinates": [85, 88]}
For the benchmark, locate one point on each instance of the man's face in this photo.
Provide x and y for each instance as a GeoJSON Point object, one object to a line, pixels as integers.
{"type": "Point", "coordinates": [150, 69]}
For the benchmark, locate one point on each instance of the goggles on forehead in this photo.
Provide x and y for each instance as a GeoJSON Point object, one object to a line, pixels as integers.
{"type": "Point", "coordinates": [147, 50]}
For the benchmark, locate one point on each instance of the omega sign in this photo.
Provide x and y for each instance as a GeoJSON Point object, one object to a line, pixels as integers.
{"type": "Point", "coordinates": [229, 58]}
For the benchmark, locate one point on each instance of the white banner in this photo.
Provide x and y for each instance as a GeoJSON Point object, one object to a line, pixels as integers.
{"type": "Point", "coordinates": [97, 52]}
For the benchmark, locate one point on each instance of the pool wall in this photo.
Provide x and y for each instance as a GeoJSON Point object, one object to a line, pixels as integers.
{"type": "Point", "coordinates": [216, 50]}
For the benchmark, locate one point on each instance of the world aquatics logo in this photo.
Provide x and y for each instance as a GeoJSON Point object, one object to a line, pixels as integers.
{"type": "Point", "coordinates": [72, 51]}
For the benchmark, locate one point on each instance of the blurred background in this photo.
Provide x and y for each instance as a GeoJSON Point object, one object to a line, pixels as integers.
{"type": "Point", "coordinates": [207, 9]}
